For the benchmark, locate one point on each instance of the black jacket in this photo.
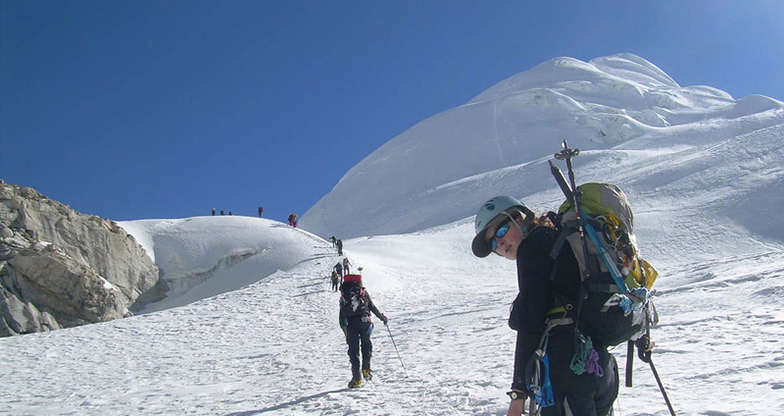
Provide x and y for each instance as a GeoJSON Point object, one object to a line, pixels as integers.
{"type": "Point", "coordinates": [346, 312]}
{"type": "Point", "coordinates": [539, 294]}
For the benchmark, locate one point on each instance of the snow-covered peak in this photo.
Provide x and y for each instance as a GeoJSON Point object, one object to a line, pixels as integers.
{"type": "Point", "coordinates": [439, 170]}
{"type": "Point", "coordinates": [569, 73]}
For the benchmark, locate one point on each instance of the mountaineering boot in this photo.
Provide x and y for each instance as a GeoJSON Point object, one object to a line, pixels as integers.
{"type": "Point", "coordinates": [354, 384]}
{"type": "Point", "coordinates": [367, 374]}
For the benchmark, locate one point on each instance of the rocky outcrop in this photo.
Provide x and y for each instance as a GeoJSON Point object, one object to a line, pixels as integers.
{"type": "Point", "coordinates": [60, 268]}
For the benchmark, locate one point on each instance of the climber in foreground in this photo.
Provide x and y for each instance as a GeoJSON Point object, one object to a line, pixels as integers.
{"type": "Point", "coordinates": [548, 290]}
{"type": "Point", "coordinates": [355, 308]}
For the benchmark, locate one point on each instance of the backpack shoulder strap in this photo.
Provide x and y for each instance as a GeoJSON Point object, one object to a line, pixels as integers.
{"type": "Point", "coordinates": [567, 228]}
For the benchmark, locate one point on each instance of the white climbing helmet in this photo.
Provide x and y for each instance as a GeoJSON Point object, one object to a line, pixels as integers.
{"type": "Point", "coordinates": [491, 213]}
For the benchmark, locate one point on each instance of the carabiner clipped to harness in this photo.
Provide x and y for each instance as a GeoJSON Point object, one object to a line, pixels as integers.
{"type": "Point", "coordinates": [543, 394]}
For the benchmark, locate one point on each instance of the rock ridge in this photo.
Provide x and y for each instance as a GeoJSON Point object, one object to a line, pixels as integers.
{"type": "Point", "coordinates": [60, 268]}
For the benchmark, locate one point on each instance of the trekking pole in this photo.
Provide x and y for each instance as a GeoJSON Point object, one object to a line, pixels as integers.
{"type": "Point", "coordinates": [661, 387]}
{"type": "Point", "coordinates": [398, 352]}
{"type": "Point", "coordinates": [568, 154]}
{"type": "Point", "coordinates": [559, 177]}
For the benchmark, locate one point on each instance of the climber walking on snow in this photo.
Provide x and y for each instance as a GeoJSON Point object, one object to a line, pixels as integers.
{"type": "Point", "coordinates": [505, 226]}
{"type": "Point", "coordinates": [335, 281]}
{"type": "Point", "coordinates": [355, 308]}
{"type": "Point", "coordinates": [346, 266]}
{"type": "Point", "coordinates": [581, 291]}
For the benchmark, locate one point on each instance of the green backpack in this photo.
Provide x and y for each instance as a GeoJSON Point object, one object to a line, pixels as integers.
{"type": "Point", "coordinates": [616, 280]}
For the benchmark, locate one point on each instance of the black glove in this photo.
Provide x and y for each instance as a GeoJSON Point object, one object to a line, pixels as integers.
{"type": "Point", "coordinates": [644, 347]}
{"type": "Point", "coordinates": [384, 319]}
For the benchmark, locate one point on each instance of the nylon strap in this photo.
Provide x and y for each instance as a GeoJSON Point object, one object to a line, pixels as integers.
{"type": "Point", "coordinates": [566, 229]}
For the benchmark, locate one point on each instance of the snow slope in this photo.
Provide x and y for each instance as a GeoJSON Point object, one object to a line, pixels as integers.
{"type": "Point", "coordinates": [274, 347]}
{"type": "Point", "coordinates": [206, 256]}
{"type": "Point", "coordinates": [261, 337]}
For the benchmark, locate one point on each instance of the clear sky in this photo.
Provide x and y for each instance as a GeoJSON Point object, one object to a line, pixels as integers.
{"type": "Point", "coordinates": [165, 109]}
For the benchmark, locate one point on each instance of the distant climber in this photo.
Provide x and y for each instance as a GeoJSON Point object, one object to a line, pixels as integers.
{"type": "Point", "coordinates": [346, 266]}
{"type": "Point", "coordinates": [335, 281]}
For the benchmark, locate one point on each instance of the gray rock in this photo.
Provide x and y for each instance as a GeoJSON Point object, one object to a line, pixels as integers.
{"type": "Point", "coordinates": [60, 268]}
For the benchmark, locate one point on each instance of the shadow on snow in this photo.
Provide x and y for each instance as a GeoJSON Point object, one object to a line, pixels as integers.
{"type": "Point", "coordinates": [287, 404]}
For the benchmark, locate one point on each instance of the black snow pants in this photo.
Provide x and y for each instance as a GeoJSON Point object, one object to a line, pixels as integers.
{"type": "Point", "coordinates": [580, 395]}
{"type": "Point", "coordinates": [358, 332]}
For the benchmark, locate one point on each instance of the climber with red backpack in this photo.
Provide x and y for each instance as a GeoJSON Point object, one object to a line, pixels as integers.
{"type": "Point", "coordinates": [357, 325]}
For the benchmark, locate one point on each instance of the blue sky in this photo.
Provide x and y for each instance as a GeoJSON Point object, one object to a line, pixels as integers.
{"type": "Point", "coordinates": [165, 109]}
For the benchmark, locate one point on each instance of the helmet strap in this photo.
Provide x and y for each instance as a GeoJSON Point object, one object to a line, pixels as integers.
{"type": "Point", "coordinates": [523, 229]}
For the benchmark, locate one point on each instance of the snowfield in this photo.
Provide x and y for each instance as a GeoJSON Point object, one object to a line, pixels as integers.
{"type": "Point", "coordinates": [274, 347]}
{"type": "Point", "coordinates": [250, 326]}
